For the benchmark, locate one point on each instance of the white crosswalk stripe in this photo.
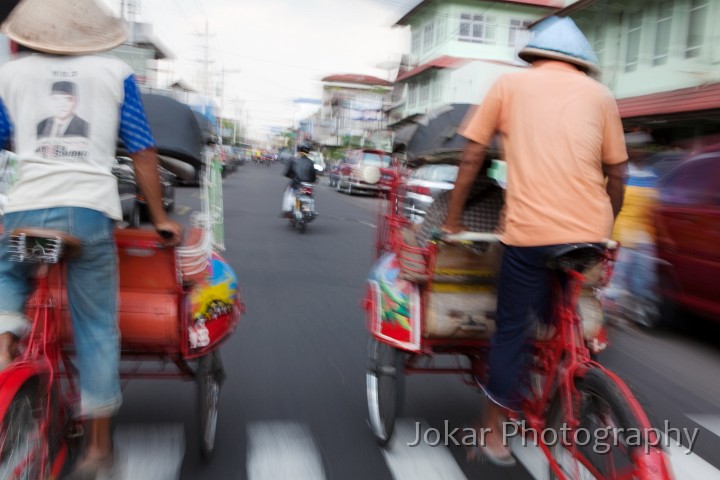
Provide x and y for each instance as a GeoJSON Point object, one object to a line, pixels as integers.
{"type": "Point", "coordinates": [278, 450]}
{"type": "Point", "coordinates": [686, 465]}
{"type": "Point", "coordinates": [286, 449]}
{"type": "Point", "coordinates": [421, 461]}
{"type": "Point", "coordinates": [708, 422]}
{"type": "Point", "coordinates": [149, 452]}
{"type": "Point", "coordinates": [531, 457]}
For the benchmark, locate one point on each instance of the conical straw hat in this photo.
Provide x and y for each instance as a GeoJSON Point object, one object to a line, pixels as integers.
{"type": "Point", "coordinates": [68, 27]}
{"type": "Point", "coordinates": [560, 39]}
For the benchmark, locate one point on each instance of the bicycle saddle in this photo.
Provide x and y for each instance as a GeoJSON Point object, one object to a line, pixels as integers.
{"type": "Point", "coordinates": [43, 245]}
{"type": "Point", "coordinates": [574, 256]}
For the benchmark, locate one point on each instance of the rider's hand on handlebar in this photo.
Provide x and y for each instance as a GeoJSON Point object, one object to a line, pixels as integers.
{"type": "Point", "coordinates": [451, 228]}
{"type": "Point", "coordinates": [170, 232]}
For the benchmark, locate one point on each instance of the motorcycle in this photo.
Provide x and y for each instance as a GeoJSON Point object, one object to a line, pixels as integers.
{"type": "Point", "coordinates": [303, 211]}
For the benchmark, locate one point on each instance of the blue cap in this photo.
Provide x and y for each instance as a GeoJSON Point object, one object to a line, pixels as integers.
{"type": "Point", "coordinates": [560, 39]}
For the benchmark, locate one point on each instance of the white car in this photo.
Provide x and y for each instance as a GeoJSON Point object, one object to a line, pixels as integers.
{"type": "Point", "coordinates": [319, 161]}
{"type": "Point", "coordinates": [424, 184]}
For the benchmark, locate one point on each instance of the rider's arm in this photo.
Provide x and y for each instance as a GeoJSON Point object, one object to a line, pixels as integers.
{"type": "Point", "coordinates": [615, 185]}
{"type": "Point", "coordinates": [614, 155]}
{"type": "Point", "coordinates": [471, 162]}
{"type": "Point", "coordinates": [135, 133]}
{"type": "Point", "coordinates": [290, 169]}
{"type": "Point", "coordinates": [148, 180]}
{"type": "Point", "coordinates": [479, 127]}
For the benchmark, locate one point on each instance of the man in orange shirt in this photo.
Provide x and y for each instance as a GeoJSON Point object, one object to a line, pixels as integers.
{"type": "Point", "coordinates": [566, 159]}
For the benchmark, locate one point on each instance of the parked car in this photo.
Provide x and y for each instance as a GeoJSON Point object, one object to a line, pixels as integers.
{"type": "Point", "coordinates": [687, 222]}
{"type": "Point", "coordinates": [664, 162]}
{"type": "Point", "coordinates": [136, 209]}
{"type": "Point", "coordinates": [424, 185]}
{"type": "Point", "coordinates": [366, 170]}
{"type": "Point", "coordinates": [127, 189]}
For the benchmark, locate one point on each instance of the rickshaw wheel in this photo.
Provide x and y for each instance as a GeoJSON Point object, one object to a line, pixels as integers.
{"type": "Point", "coordinates": [209, 376]}
{"type": "Point", "coordinates": [385, 388]}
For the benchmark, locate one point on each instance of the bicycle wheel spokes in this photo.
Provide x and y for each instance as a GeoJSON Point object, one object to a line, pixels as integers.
{"type": "Point", "coordinates": [20, 443]}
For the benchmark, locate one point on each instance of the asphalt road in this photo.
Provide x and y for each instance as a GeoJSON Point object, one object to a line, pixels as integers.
{"type": "Point", "coordinates": [294, 403]}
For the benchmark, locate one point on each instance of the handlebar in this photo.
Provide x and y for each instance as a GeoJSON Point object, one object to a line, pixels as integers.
{"type": "Point", "coordinates": [465, 237]}
{"type": "Point", "coordinates": [486, 237]}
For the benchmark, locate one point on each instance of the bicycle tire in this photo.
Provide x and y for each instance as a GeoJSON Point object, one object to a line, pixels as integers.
{"type": "Point", "coordinates": [210, 377]}
{"type": "Point", "coordinates": [20, 438]}
{"type": "Point", "coordinates": [385, 382]}
{"type": "Point", "coordinates": [603, 404]}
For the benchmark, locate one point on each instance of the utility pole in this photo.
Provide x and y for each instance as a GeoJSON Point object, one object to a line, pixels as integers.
{"type": "Point", "coordinates": [206, 60]}
{"type": "Point", "coordinates": [204, 70]}
{"type": "Point", "coordinates": [223, 72]}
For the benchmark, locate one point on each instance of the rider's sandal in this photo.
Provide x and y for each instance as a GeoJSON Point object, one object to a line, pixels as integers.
{"type": "Point", "coordinates": [102, 468]}
{"type": "Point", "coordinates": [476, 453]}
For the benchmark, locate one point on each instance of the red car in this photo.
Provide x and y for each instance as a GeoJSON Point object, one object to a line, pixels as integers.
{"type": "Point", "coordinates": [687, 220]}
{"type": "Point", "coordinates": [366, 170]}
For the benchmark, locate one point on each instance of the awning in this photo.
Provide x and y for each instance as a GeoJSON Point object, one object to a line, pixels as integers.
{"type": "Point", "coordinates": [705, 97]}
{"type": "Point", "coordinates": [441, 62]}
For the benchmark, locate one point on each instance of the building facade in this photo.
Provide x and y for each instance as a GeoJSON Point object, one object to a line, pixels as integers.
{"type": "Point", "coordinates": [352, 107]}
{"type": "Point", "coordinates": [459, 48]}
{"type": "Point", "coordinates": [661, 59]}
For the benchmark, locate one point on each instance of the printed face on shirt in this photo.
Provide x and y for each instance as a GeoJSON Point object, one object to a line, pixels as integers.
{"type": "Point", "coordinates": [63, 105]}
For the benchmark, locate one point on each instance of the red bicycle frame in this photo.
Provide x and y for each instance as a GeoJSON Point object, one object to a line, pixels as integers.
{"type": "Point", "coordinates": [42, 362]}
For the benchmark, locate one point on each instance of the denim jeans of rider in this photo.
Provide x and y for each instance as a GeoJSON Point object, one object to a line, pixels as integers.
{"type": "Point", "coordinates": [92, 287]}
{"type": "Point", "coordinates": [522, 301]}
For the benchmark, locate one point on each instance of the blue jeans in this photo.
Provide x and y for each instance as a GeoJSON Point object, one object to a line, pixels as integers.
{"type": "Point", "coordinates": [522, 301]}
{"type": "Point", "coordinates": [92, 286]}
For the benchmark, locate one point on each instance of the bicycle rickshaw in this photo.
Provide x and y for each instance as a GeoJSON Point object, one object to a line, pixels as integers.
{"type": "Point", "coordinates": [177, 307]}
{"type": "Point", "coordinates": [429, 303]}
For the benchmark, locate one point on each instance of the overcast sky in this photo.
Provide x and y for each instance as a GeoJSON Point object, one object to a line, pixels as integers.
{"type": "Point", "coordinates": [274, 51]}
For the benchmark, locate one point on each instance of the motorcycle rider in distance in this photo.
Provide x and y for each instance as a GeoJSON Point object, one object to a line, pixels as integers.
{"type": "Point", "coordinates": [299, 170]}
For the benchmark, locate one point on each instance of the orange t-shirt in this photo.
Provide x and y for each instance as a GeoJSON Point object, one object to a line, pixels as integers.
{"type": "Point", "coordinates": [557, 127]}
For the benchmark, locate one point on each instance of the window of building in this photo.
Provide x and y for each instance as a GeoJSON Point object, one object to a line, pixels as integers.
{"type": "Point", "coordinates": [632, 52]}
{"type": "Point", "coordinates": [424, 91]}
{"type": "Point", "coordinates": [477, 28]}
{"type": "Point", "coordinates": [416, 36]}
{"type": "Point", "coordinates": [518, 33]}
{"type": "Point", "coordinates": [662, 32]}
{"type": "Point", "coordinates": [412, 94]}
{"type": "Point", "coordinates": [428, 36]}
{"type": "Point", "coordinates": [436, 90]}
{"type": "Point", "coordinates": [598, 42]}
{"type": "Point", "coordinates": [696, 28]}
{"type": "Point", "coordinates": [441, 29]}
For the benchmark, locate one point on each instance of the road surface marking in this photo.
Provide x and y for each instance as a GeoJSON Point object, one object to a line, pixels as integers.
{"type": "Point", "coordinates": [419, 462]}
{"type": "Point", "coordinates": [708, 422]}
{"type": "Point", "coordinates": [688, 466]}
{"type": "Point", "coordinates": [531, 457]}
{"type": "Point", "coordinates": [149, 451]}
{"type": "Point", "coordinates": [278, 450]}
{"type": "Point", "coordinates": [685, 466]}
